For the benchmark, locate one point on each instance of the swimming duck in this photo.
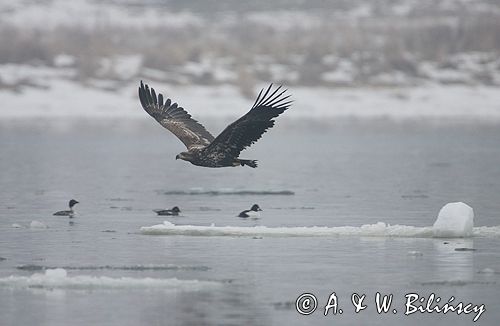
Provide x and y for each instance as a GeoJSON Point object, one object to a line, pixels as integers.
{"type": "Point", "coordinates": [70, 212]}
{"type": "Point", "coordinates": [171, 212]}
{"type": "Point", "coordinates": [252, 212]}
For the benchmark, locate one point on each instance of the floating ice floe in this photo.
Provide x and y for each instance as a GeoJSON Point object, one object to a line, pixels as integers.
{"type": "Point", "coordinates": [487, 270]}
{"type": "Point", "coordinates": [379, 229]}
{"type": "Point", "coordinates": [454, 220]}
{"type": "Point", "coordinates": [17, 226]}
{"type": "Point", "coordinates": [38, 225]}
{"type": "Point", "coordinates": [147, 267]}
{"type": "Point", "coordinates": [229, 191]}
{"type": "Point", "coordinates": [58, 279]}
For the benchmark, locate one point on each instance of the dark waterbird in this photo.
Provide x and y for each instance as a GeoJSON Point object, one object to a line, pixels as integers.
{"type": "Point", "coordinates": [252, 212]}
{"type": "Point", "coordinates": [170, 212]}
{"type": "Point", "coordinates": [69, 212]}
{"type": "Point", "coordinates": [223, 150]}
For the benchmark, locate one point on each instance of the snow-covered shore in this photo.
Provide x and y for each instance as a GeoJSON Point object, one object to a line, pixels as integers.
{"type": "Point", "coordinates": [68, 99]}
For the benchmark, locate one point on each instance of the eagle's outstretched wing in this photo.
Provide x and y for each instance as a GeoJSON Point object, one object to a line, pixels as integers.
{"type": "Point", "coordinates": [249, 128]}
{"type": "Point", "coordinates": [174, 118]}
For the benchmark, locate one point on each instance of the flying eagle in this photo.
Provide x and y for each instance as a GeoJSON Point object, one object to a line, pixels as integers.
{"type": "Point", "coordinates": [223, 150]}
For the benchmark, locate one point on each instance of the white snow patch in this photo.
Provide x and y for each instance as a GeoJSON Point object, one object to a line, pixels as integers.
{"type": "Point", "coordinates": [343, 73]}
{"type": "Point", "coordinates": [40, 75]}
{"type": "Point", "coordinates": [38, 225]}
{"type": "Point", "coordinates": [64, 60]}
{"type": "Point", "coordinates": [284, 20]}
{"type": "Point", "coordinates": [60, 13]}
{"type": "Point", "coordinates": [85, 102]}
{"type": "Point", "coordinates": [454, 220]}
{"type": "Point", "coordinates": [282, 73]}
{"type": "Point", "coordinates": [123, 67]}
{"type": "Point", "coordinates": [427, 102]}
{"type": "Point", "coordinates": [58, 279]}
{"type": "Point", "coordinates": [337, 77]}
{"type": "Point", "coordinates": [394, 78]}
{"type": "Point", "coordinates": [439, 103]}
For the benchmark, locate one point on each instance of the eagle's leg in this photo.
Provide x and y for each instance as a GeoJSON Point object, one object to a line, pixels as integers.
{"type": "Point", "coordinates": [251, 163]}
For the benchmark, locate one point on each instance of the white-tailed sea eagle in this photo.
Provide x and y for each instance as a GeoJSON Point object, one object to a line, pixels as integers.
{"type": "Point", "coordinates": [223, 150]}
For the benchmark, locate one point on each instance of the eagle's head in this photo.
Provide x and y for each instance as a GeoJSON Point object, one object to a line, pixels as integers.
{"type": "Point", "coordinates": [186, 156]}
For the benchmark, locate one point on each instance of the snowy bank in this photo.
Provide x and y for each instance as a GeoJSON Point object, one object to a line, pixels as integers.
{"type": "Point", "coordinates": [68, 99]}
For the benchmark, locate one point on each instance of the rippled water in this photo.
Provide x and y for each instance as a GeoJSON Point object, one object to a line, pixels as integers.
{"type": "Point", "coordinates": [310, 174]}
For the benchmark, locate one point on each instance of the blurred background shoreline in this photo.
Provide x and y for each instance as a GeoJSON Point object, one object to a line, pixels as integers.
{"type": "Point", "coordinates": [395, 60]}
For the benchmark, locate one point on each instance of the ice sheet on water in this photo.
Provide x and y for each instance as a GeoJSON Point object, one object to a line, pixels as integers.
{"type": "Point", "coordinates": [38, 225]}
{"type": "Point", "coordinates": [140, 268]}
{"type": "Point", "coordinates": [454, 220]}
{"type": "Point", "coordinates": [455, 283]}
{"type": "Point", "coordinates": [488, 270]}
{"type": "Point", "coordinates": [229, 191]}
{"type": "Point", "coordinates": [58, 279]}
{"type": "Point", "coordinates": [379, 229]}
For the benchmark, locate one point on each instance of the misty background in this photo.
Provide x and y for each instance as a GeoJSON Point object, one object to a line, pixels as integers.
{"type": "Point", "coordinates": [414, 58]}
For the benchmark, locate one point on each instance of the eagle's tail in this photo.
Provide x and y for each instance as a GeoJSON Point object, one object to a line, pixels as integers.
{"type": "Point", "coordinates": [251, 163]}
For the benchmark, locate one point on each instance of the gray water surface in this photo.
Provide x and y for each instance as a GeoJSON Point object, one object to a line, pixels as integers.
{"type": "Point", "coordinates": [350, 173]}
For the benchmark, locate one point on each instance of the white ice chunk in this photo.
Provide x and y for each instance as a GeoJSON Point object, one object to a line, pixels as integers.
{"type": "Point", "coordinates": [454, 220]}
{"type": "Point", "coordinates": [56, 273]}
{"type": "Point", "coordinates": [38, 225]}
{"type": "Point", "coordinates": [17, 226]}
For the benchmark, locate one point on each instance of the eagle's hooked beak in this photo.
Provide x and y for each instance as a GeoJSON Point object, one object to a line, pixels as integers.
{"type": "Point", "coordinates": [177, 157]}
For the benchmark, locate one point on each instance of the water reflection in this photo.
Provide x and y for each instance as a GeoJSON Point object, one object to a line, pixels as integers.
{"type": "Point", "coordinates": [450, 264]}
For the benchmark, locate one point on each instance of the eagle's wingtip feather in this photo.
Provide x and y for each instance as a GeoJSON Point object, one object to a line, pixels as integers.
{"type": "Point", "coordinates": [274, 99]}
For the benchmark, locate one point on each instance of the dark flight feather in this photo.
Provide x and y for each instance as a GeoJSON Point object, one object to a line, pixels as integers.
{"type": "Point", "coordinates": [249, 128]}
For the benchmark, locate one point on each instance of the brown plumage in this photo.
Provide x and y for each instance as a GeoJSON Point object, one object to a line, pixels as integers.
{"type": "Point", "coordinates": [203, 148]}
